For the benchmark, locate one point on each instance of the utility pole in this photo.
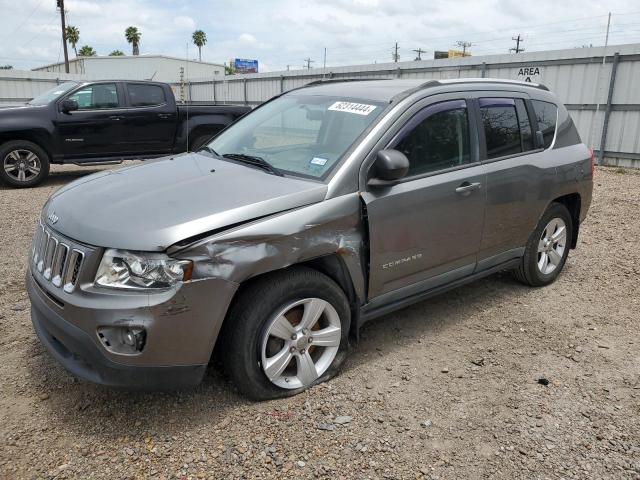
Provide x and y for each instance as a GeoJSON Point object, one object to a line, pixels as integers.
{"type": "Point", "coordinates": [324, 60]}
{"type": "Point", "coordinates": [395, 56]}
{"type": "Point", "coordinates": [517, 39]}
{"type": "Point", "coordinates": [309, 62]}
{"type": "Point", "coordinates": [419, 51]}
{"type": "Point", "coordinates": [464, 45]}
{"type": "Point", "coordinates": [60, 4]}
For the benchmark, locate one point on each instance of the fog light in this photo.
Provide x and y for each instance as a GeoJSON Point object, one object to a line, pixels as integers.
{"type": "Point", "coordinates": [135, 337]}
{"type": "Point", "coordinates": [123, 339]}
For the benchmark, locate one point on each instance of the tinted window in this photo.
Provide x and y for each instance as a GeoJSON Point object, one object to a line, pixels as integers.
{"type": "Point", "coordinates": [546, 114]}
{"type": "Point", "coordinates": [525, 126]}
{"type": "Point", "coordinates": [96, 97]}
{"type": "Point", "coordinates": [501, 128]}
{"type": "Point", "coordinates": [145, 95]}
{"type": "Point", "coordinates": [439, 141]}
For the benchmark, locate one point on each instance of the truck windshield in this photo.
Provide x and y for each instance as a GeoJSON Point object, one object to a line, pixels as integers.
{"type": "Point", "coordinates": [303, 135]}
{"type": "Point", "coordinates": [53, 94]}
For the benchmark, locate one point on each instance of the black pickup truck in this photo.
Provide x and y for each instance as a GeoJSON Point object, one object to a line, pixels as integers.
{"type": "Point", "coordinates": [102, 122]}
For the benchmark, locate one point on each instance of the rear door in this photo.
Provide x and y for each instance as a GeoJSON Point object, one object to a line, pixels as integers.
{"type": "Point", "coordinates": [426, 230]}
{"type": "Point", "coordinates": [150, 119]}
{"type": "Point", "coordinates": [95, 129]}
{"type": "Point", "coordinates": [519, 177]}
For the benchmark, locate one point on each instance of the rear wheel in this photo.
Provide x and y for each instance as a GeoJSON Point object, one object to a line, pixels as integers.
{"type": "Point", "coordinates": [285, 333]}
{"type": "Point", "coordinates": [24, 164]}
{"type": "Point", "coordinates": [547, 249]}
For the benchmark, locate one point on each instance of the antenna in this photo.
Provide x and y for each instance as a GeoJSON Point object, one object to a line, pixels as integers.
{"type": "Point", "coordinates": [187, 106]}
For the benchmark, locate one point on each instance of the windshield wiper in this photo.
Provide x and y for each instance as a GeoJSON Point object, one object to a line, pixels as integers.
{"type": "Point", "coordinates": [255, 161]}
{"type": "Point", "coordinates": [207, 148]}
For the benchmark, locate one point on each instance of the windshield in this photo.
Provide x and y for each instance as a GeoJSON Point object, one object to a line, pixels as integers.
{"type": "Point", "coordinates": [302, 135]}
{"type": "Point", "coordinates": [53, 94]}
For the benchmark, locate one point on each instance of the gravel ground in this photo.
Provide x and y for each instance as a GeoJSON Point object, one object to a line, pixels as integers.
{"type": "Point", "coordinates": [448, 388]}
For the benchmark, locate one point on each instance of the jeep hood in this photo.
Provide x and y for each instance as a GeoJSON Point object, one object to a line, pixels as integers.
{"type": "Point", "coordinates": [152, 205]}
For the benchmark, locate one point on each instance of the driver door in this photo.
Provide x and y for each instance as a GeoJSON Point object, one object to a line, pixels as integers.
{"type": "Point", "coordinates": [95, 130]}
{"type": "Point", "coordinates": [426, 230]}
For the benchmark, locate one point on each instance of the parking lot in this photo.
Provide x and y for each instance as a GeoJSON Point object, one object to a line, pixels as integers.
{"type": "Point", "coordinates": [453, 387]}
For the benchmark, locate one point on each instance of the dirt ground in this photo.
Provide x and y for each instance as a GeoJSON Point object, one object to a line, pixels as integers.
{"type": "Point", "coordinates": [448, 388]}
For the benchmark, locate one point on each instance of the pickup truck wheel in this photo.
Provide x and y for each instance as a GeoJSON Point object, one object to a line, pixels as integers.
{"type": "Point", "coordinates": [24, 164]}
{"type": "Point", "coordinates": [286, 332]}
{"type": "Point", "coordinates": [547, 249]}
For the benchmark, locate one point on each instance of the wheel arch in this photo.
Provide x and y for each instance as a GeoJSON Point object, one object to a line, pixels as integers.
{"type": "Point", "coordinates": [39, 137]}
{"type": "Point", "coordinates": [573, 203]}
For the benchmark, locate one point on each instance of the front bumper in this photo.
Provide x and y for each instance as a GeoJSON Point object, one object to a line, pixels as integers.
{"type": "Point", "coordinates": [181, 327]}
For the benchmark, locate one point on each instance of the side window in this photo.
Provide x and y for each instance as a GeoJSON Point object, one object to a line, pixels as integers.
{"type": "Point", "coordinates": [547, 115]}
{"type": "Point", "coordinates": [145, 95]}
{"type": "Point", "coordinates": [501, 127]}
{"type": "Point", "coordinates": [96, 97]}
{"type": "Point", "coordinates": [436, 138]}
{"type": "Point", "coordinates": [525, 126]}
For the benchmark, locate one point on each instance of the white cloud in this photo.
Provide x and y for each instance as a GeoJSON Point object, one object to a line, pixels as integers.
{"type": "Point", "coordinates": [184, 22]}
{"type": "Point", "coordinates": [247, 39]}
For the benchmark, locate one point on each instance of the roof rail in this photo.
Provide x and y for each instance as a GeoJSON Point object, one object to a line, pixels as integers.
{"type": "Point", "coordinates": [493, 80]}
{"type": "Point", "coordinates": [339, 80]}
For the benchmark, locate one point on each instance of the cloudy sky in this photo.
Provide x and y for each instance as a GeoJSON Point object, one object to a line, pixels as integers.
{"type": "Point", "coordinates": [285, 32]}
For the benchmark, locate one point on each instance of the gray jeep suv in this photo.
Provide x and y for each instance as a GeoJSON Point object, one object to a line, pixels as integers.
{"type": "Point", "coordinates": [325, 207]}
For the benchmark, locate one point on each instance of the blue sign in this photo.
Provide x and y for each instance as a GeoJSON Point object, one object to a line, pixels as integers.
{"type": "Point", "coordinates": [242, 65]}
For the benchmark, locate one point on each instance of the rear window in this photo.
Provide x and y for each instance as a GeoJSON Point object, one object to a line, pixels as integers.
{"type": "Point", "coordinates": [501, 127]}
{"type": "Point", "coordinates": [145, 95]}
{"type": "Point", "coordinates": [547, 116]}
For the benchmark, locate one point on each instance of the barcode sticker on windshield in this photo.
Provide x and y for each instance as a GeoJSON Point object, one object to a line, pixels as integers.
{"type": "Point", "coordinates": [350, 107]}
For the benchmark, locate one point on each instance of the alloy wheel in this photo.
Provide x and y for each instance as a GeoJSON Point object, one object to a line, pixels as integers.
{"type": "Point", "coordinates": [300, 343]}
{"type": "Point", "coordinates": [22, 165]}
{"type": "Point", "coordinates": [552, 245]}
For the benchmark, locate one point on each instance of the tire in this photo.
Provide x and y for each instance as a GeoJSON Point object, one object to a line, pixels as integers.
{"type": "Point", "coordinates": [261, 309]}
{"type": "Point", "coordinates": [23, 164]}
{"type": "Point", "coordinates": [546, 242]}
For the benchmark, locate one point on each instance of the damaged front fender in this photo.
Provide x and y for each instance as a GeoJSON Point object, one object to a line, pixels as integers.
{"type": "Point", "coordinates": [331, 227]}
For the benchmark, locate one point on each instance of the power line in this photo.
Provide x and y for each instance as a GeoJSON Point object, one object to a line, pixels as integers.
{"type": "Point", "coordinates": [517, 48]}
{"type": "Point", "coordinates": [24, 21]}
{"type": "Point", "coordinates": [419, 51]}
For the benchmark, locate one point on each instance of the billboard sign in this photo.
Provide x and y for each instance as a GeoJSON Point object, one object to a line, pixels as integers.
{"type": "Point", "coordinates": [243, 65]}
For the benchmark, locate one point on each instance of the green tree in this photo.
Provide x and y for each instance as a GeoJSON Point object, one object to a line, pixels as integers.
{"type": "Point", "coordinates": [199, 40]}
{"type": "Point", "coordinates": [72, 35]}
{"type": "Point", "coordinates": [117, 53]}
{"type": "Point", "coordinates": [132, 34]}
{"type": "Point", "coordinates": [87, 51]}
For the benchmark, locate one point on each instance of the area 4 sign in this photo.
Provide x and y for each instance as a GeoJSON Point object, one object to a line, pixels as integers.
{"type": "Point", "coordinates": [530, 74]}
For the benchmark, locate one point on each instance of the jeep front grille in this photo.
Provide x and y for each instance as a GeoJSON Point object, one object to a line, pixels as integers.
{"type": "Point", "coordinates": [57, 261]}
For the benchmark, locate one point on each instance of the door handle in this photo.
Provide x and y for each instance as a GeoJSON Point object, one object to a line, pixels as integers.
{"type": "Point", "coordinates": [115, 117]}
{"type": "Point", "coordinates": [165, 115]}
{"type": "Point", "coordinates": [466, 188]}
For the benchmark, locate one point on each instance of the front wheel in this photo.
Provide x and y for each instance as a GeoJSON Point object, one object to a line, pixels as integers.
{"type": "Point", "coordinates": [286, 332]}
{"type": "Point", "coordinates": [547, 249]}
{"type": "Point", "coordinates": [24, 164]}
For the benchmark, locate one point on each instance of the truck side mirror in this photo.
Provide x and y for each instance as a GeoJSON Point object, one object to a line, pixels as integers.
{"type": "Point", "coordinates": [69, 105]}
{"type": "Point", "coordinates": [389, 167]}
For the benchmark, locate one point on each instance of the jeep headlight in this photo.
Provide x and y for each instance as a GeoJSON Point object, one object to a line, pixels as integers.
{"type": "Point", "coordinates": [141, 270]}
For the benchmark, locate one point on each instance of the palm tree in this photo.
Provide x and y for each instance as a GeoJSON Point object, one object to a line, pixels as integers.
{"type": "Point", "coordinates": [199, 40]}
{"type": "Point", "coordinates": [116, 53]}
{"type": "Point", "coordinates": [87, 51]}
{"type": "Point", "coordinates": [72, 34]}
{"type": "Point", "coordinates": [133, 37]}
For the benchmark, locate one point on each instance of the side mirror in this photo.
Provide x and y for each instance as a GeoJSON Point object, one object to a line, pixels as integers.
{"type": "Point", "coordinates": [69, 105]}
{"type": "Point", "coordinates": [389, 167]}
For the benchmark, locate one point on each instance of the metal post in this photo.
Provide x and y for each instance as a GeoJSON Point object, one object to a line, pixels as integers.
{"type": "Point", "coordinates": [484, 70]}
{"type": "Point", "coordinates": [399, 72]}
{"type": "Point", "coordinates": [213, 84]}
{"type": "Point", "coordinates": [607, 111]}
{"type": "Point", "coordinates": [244, 90]}
{"type": "Point", "coordinates": [190, 95]}
{"type": "Point", "coordinates": [281, 83]}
